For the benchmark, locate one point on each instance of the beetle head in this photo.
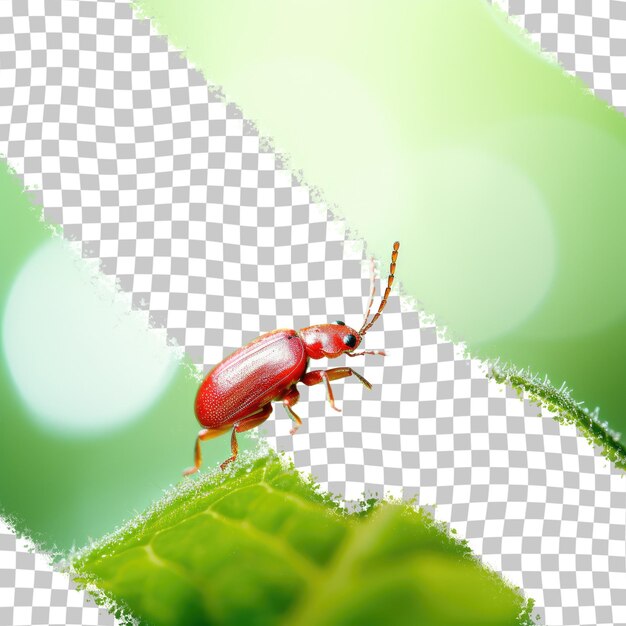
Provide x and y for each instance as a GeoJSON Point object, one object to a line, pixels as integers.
{"type": "Point", "coordinates": [329, 340]}
{"type": "Point", "coordinates": [333, 340]}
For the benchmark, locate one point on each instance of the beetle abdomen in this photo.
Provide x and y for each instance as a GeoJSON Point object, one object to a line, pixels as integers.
{"type": "Point", "coordinates": [251, 377]}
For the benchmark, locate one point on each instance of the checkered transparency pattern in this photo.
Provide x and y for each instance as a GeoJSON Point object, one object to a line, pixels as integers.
{"type": "Point", "coordinates": [152, 173]}
{"type": "Point", "coordinates": [32, 592]}
{"type": "Point", "coordinates": [587, 37]}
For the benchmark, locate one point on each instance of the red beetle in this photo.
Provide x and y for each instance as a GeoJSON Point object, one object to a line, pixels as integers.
{"type": "Point", "coordinates": [237, 394]}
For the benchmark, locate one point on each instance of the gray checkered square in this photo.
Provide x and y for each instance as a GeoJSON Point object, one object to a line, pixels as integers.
{"type": "Point", "coordinates": [151, 173]}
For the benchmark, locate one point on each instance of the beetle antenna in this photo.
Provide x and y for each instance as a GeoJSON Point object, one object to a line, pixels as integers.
{"type": "Point", "coordinates": [372, 289]}
{"type": "Point", "coordinates": [392, 268]}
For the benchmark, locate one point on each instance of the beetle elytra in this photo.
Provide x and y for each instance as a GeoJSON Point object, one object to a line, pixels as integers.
{"type": "Point", "coordinates": [237, 394]}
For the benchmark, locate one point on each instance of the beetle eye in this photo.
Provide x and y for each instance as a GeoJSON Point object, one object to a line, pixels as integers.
{"type": "Point", "coordinates": [350, 341]}
{"type": "Point", "coordinates": [340, 323]}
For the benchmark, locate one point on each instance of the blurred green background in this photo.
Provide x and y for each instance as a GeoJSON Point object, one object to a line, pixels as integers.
{"type": "Point", "coordinates": [441, 124]}
{"type": "Point", "coordinates": [97, 414]}
{"type": "Point", "coordinates": [430, 122]}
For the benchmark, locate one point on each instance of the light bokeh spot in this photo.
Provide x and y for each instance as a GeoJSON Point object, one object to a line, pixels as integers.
{"type": "Point", "coordinates": [488, 235]}
{"type": "Point", "coordinates": [82, 361]}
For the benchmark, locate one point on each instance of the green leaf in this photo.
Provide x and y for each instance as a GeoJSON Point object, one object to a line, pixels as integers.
{"type": "Point", "coordinates": [261, 545]}
{"type": "Point", "coordinates": [567, 411]}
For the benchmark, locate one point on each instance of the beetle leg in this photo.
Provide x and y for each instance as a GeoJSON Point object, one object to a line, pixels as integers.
{"type": "Point", "coordinates": [203, 435]}
{"type": "Point", "coordinates": [247, 423]}
{"type": "Point", "coordinates": [315, 377]}
{"type": "Point", "coordinates": [290, 398]}
{"type": "Point", "coordinates": [378, 352]}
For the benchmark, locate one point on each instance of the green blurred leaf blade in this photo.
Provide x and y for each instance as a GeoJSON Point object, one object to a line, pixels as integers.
{"type": "Point", "coordinates": [260, 545]}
